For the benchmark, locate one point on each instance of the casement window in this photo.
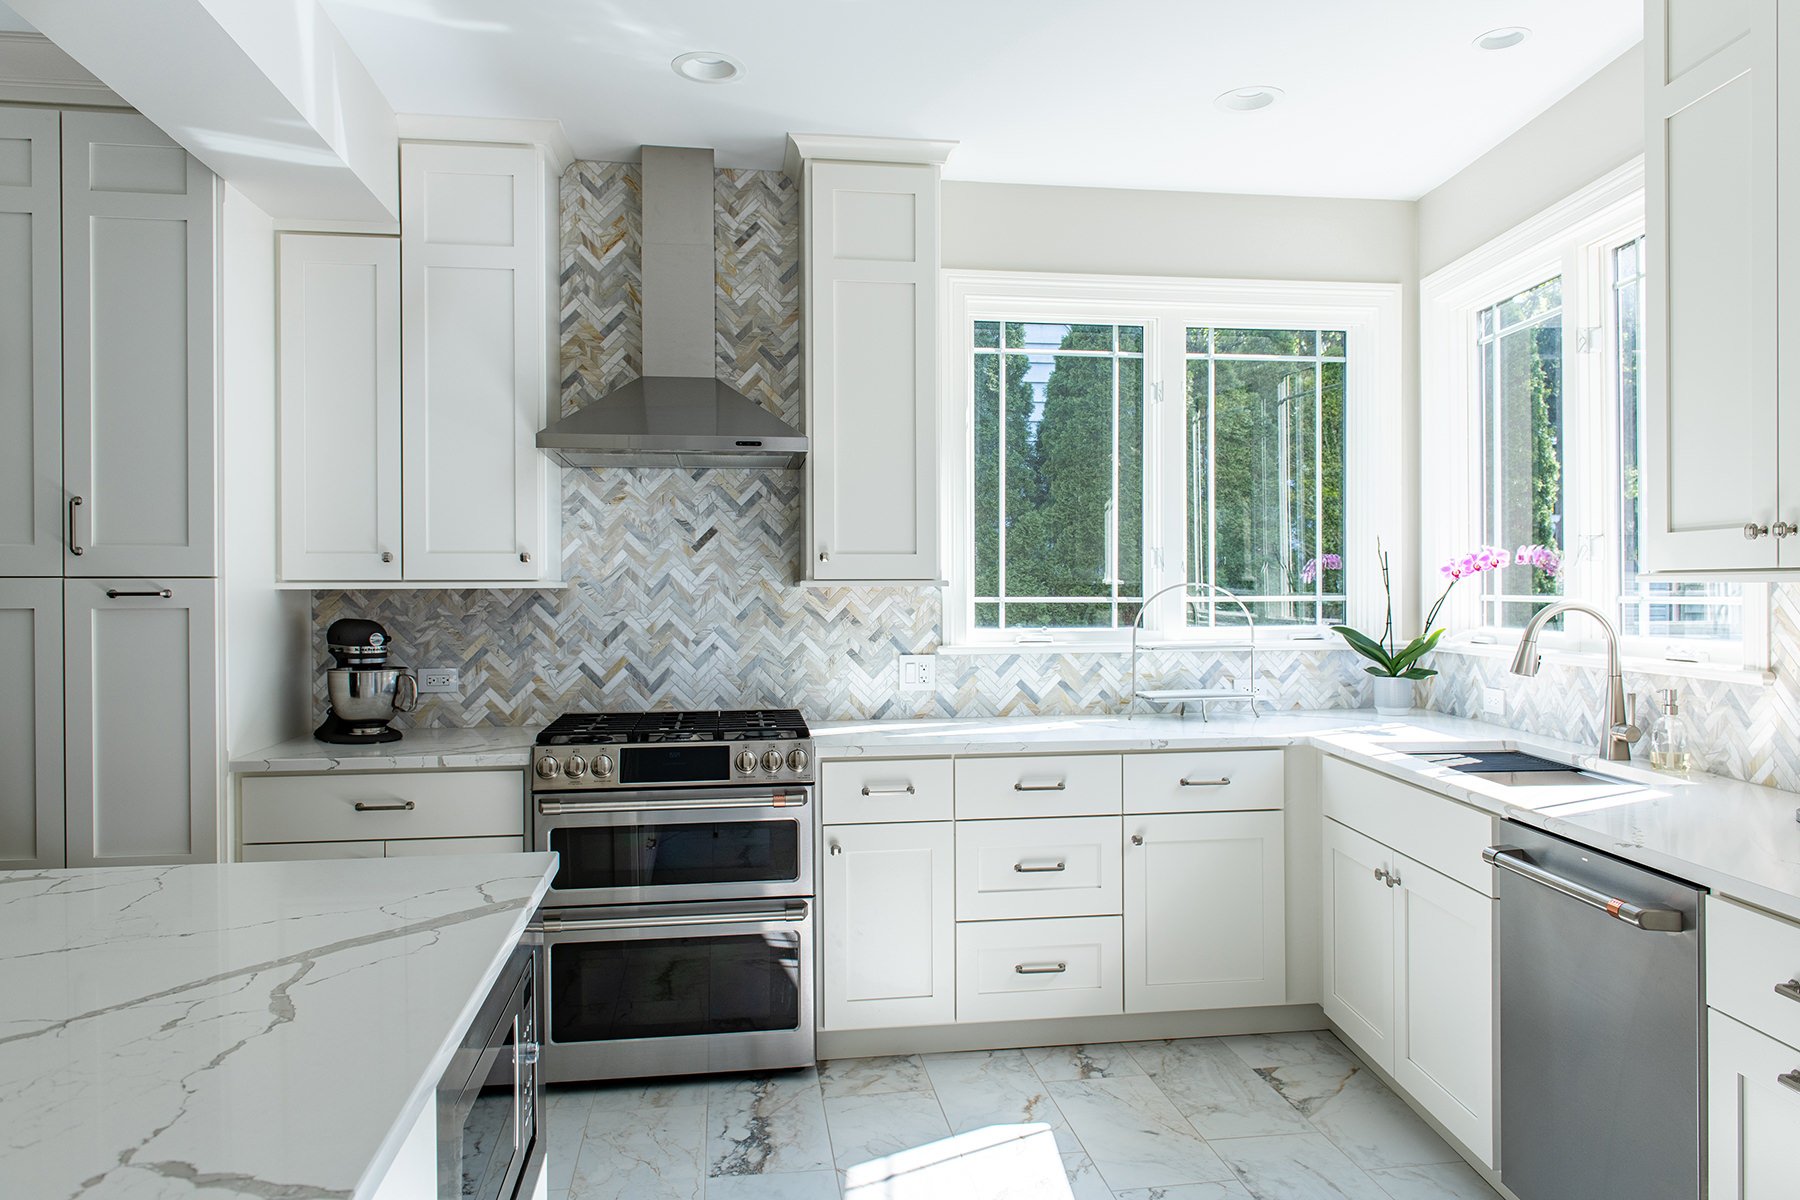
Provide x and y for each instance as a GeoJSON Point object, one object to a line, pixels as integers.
{"type": "Point", "coordinates": [1109, 437]}
{"type": "Point", "coordinates": [1532, 434]}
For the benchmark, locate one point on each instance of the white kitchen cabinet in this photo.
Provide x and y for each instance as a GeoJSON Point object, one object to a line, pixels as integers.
{"type": "Point", "coordinates": [142, 708]}
{"type": "Point", "coordinates": [888, 910]}
{"type": "Point", "coordinates": [870, 244]}
{"type": "Point", "coordinates": [478, 239]}
{"type": "Point", "coordinates": [1039, 969]}
{"type": "Point", "coordinates": [31, 724]}
{"type": "Point", "coordinates": [1205, 916]}
{"type": "Point", "coordinates": [1359, 940]}
{"type": "Point", "coordinates": [140, 421]}
{"type": "Point", "coordinates": [31, 493]}
{"type": "Point", "coordinates": [339, 336]}
{"type": "Point", "coordinates": [1753, 1110]}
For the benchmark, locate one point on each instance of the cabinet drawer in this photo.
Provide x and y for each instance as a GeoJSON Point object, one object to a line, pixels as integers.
{"type": "Point", "coordinates": [1748, 956]}
{"type": "Point", "coordinates": [877, 791]}
{"type": "Point", "coordinates": [1208, 781]}
{"type": "Point", "coordinates": [1021, 970]}
{"type": "Point", "coordinates": [305, 851]}
{"type": "Point", "coordinates": [422, 847]}
{"type": "Point", "coordinates": [1440, 832]}
{"type": "Point", "coordinates": [1039, 867]}
{"type": "Point", "coordinates": [397, 804]}
{"type": "Point", "coordinates": [1038, 785]}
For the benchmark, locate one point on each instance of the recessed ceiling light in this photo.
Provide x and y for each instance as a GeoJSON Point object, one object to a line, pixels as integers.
{"type": "Point", "coordinates": [1502, 39]}
{"type": "Point", "coordinates": [708, 66]}
{"type": "Point", "coordinates": [1248, 99]}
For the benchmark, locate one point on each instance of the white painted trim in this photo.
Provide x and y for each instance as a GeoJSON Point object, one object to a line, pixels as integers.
{"type": "Point", "coordinates": [1370, 312]}
{"type": "Point", "coordinates": [847, 148]}
{"type": "Point", "coordinates": [1633, 664]}
{"type": "Point", "coordinates": [546, 133]}
{"type": "Point", "coordinates": [35, 70]}
{"type": "Point", "coordinates": [359, 228]}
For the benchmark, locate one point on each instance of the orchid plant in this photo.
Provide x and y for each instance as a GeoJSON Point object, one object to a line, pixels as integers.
{"type": "Point", "coordinates": [1394, 661]}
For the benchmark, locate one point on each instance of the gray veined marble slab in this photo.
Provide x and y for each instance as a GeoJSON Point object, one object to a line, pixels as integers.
{"type": "Point", "coordinates": [873, 1076]}
{"type": "Point", "coordinates": [1106, 1061]}
{"type": "Point", "coordinates": [767, 1125]}
{"type": "Point", "coordinates": [978, 1088]}
{"type": "Point", "coordinates": [1136, 1137]}
{"type": "Point", "coordinates": [252, 1029]}
{"type": "Point", "coordinates": [1216, 1090]}
{"type": "Point", "coordinates": [417, 750]}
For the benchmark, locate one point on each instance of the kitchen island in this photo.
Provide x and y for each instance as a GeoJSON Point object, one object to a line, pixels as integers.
{"type": "Point", "coordinates": [246, 1029]}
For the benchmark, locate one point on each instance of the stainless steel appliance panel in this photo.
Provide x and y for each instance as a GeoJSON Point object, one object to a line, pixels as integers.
{"type": "Point", "coordinates": [489, 1100]}
{"type": "Point", "coordinates": [1601, 1015]}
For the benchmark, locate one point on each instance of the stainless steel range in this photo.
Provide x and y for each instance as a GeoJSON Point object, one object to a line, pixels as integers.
{"type": "Point", "coordinates": [678, 931]}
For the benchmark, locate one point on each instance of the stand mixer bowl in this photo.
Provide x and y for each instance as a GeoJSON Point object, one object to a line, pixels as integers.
{"type": "Point", "coordinates": [368, 694]}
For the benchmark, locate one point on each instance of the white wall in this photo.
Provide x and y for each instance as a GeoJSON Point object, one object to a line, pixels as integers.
{"type": "Point", "coordinates": [1587, 133]}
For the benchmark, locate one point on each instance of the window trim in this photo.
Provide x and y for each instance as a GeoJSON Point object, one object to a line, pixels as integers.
{"type": "Point", "coordinates": [1573, 239]}
{"type": "Point", "coordinates": [1370, 315]}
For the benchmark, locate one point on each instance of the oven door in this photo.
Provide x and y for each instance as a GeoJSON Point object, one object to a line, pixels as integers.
{"type": "Point", "coordinates": [656, 847]}
{"type": "Point", "coordinates": [488, 1143]}
{"type": "Point", "coordinates": [683, 989]}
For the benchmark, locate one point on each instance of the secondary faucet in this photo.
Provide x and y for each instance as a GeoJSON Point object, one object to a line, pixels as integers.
{"type": "Point", "coordinates": [1617, 735]}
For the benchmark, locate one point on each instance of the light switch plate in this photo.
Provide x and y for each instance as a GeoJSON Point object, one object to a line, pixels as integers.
{"type": "Point", "coordinates": [439, 679]}
{"type": "Point", "coordinates": [1493, 702]}
{"type": "Point", "coordinates": [918, 672]}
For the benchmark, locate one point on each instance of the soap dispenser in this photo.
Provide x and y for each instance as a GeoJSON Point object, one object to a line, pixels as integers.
{"type": "Point", "coordinates": [1668, 738]}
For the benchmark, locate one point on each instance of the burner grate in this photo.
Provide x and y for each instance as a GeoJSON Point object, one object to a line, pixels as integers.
{"type": "Point", "coordinates": [675, 725]}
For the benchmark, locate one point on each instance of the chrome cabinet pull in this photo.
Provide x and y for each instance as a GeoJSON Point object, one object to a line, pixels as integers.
{"type": "Point", "coordinates": [1221, 781]}
{"type": "Point", "coordinates": [836, 849]}
{"type": "Point", "coordinates": [1137, 839]}
{"type": "Point", "coordinates": [394, 806]}
{"type": "Point", "coordinates": [1022, 869]}
{"type": "Point", "coordinates": [1790, 1079]}
{"type": "Point", "coordinates": [1782, 529]}
{"type": "Point", "coordinates": [1752, 531]}
{"type": "Point", "coordinates": [524, 556]}
{"type": "Point", "coordinates": [1046, 969]}
{"type": "Point", "coordinates": [1059, 785]}
{"type": "Point", "coordinates": [1393, 879]}
{"type": "Point", "coordinates": [1790, 989]}
{"type": "Point", "coordinates": [1655, 920]}
{"type": "Point", "coordinates": [387, 556]}
{"type": "Point", "coordinates": [824, 556]}
{"type": "Point", "coordinates": [151, 594]}
{"type": "Point", "coordinates": [1381, 874]}
{"type": "Point", "coordinates": [75, 546]}
{"type": "Point", "coordinates": [899, 791]}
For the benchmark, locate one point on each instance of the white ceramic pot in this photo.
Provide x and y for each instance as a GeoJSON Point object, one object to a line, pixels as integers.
{"type": "Point", "coordinates": [1393, 697]}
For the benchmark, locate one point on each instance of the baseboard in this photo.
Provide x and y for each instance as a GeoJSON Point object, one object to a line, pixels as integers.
{"type": "Point", "coordinates": [1070, 1031]}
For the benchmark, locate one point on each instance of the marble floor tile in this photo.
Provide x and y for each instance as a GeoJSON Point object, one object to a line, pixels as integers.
{"type": "Point", "coordinates": [1084, 1178]}
{"type": "Point", "coordinates": [1376, 1128]}
{"type": "Point", "coordinates": [1135, 1134]}
{"type": "Point", "coordinates": [1216, 1090]}
{"type": "Point", "coordinates": [1297, 1166]}
{"type": "Point", "coordinates": [1438, 1181]}
{"type": "Point", "coordinates": [766, 1125]}
{"type": "Point", "coordinates": [1229, 1189]}
{"type": "Point", "coordinates": [1306, 1068]}
{"type": "Point", "coordinates": [1106, 1061]}
{"type": "Point", "coordinates": [638, 1094]}
{"type": "Point", "coordinates": [867, 1127]}
{"type": "Point", "coordinates": [994, 1087]}
{"type": "Point", "coordinates": [796, 1185]}
{"type": "Point", "coordinates": [649, 1154]}
{"type": "Point", "coordinates": [873, 1076]}
{"type": "Point", "coordinates": [566, 1113]}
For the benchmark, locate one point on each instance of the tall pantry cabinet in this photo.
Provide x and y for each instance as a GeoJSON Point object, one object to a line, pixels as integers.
{"type": "Point", "coordinates": [108, 512]}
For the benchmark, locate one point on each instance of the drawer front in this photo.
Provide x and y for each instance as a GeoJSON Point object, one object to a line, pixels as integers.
{"type": "Point", "coordinates": [1207, 781]}
{"type": "Point", "coordinates": [395, 804]}
{"type": "Point", "coordinates": [423, 847]}
{"type": "Point", "coordinates": [1443, 834]}
{"type": "Point", "coordinates": [1038, 785]}
{"type": "Point", "coordinates": [1024, 970]}
{"type": "Point", "coordinates": [304, 851]}
{"type": "Point", "coordinates": [1748, 955]}
{"type": "Point", "coordinates": [1038, 867]}
{"type": "Point", "coordinates": [880, 791]}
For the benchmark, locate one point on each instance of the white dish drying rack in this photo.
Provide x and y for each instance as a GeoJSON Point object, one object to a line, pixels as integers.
{"type": "Point", "coordinates": [1205, 697]}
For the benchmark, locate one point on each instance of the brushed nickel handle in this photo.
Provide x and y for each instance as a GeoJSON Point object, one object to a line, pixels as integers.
{"type": "Point", "coordinates": [1655, 920]}
{"type": "Point", "coordinates": [396, 806]}
{"type": "Point", "coordinates": [1059, 785]}
{"type": "Point", "coordinates": [1790, 989]}
{"type": "Point", "coordinates": [1221, 781]}
{"type": "Point", "coordinates": [1782, 529]}
{"type": "Point", "coordinates": [1393, 879]}
{"type": "Point", "coordinates": [1790, 1079]}
{"type": "Point", "coordinates": [75, 546]}
{"type": "Point", "coordinates": [1022, 869]}
{"type": "Point", "coordinates": [151, 594]}
{"type": "Point", "coordinates": [899, 791]}
{"type": "Point", "coordinates": [836, 849]}
{"type": "Point", "coordinates": [1381, 874]}
{"type": "Point", "coordinates": [1137, 839]}
{"type": "Point", "coordinates": [387, 556]}
{"type": "Point", "coordinates": [1752, 531]}
{"type": "Point", "coordinates": [1058, 969]}
{"type": "Point", "coordinates": [795, 911]}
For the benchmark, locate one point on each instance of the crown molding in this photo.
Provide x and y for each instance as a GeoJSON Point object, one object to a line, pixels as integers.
{"type": "Point", "coordinates": [847, 148]}
{"type": "Point", "coordinates": [546, 133]}
{"type": "Point", "coordinates": [34, 70]}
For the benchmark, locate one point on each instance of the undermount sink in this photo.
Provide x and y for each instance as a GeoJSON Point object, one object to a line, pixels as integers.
{"type": "Point", "coordinates": [1514, 768]}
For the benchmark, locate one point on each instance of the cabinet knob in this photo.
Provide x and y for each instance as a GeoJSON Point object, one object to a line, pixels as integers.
{"type": "Point", "coordinates": [836, 849]}
{"type": "Point", "coordinates": [1137, 839]}
{"type": "Point", "coordinates": [1782, 529]}
{"type": "Point", "coordinates": [387, 556]}
{"type": "Point", "coordinates": [525, 556]}
{"type": "Point", "coordinates": [824, 556]}
{"type": "Point", "coordinates": [1381, 874]}
{"type": "Point", "coordinates": [1752, 531]}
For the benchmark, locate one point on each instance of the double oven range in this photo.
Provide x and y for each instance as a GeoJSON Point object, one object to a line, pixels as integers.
{"type": "Point", "coordinates": [678, 931]}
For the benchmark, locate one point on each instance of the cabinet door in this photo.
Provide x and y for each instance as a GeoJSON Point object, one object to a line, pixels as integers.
{"type": "Point", "coordinates": [140, 444]}
{"type": "Point", "coordinates": [1752, 1112]}
{"type": "Point", "coordinates": [1359, 940]}
{"type": "Point", "coordinates": [339, 326]}
{"type": "Point", "coordinates": [1444, 1002]}
{"type": "Point", "coordinates": [1711, 338]}
{"type": "Point", "coordinates": [142, 712]}
{"type": "Point", "coordinates": [887, 903]}
{"type": "Point", "coordinates": [31, 492]}
{"type": "Point", "coordinates": [475, 314]}
{"type": "Point", "coordinates": [871, 338]}
{"type": "Point", "coordinates": [1205, 915]}
{"type": "Point", "coordinates": [31, 724]}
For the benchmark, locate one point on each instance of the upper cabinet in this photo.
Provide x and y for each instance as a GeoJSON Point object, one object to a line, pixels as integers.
{"type": "Point", "coordinates": [870, 245]}
{"type": "Point", "coordinates": [1722, 464]}
{"type": "Point", "coordinates": [31, 496]}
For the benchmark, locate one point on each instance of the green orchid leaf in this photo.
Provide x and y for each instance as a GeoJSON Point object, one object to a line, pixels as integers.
{"type": "Point", "coordinates": [1419, 673]}
{"type": "Point", "coordinates": [1363, 645]}
{"type": "Point", "coordinates": [1418, 648]}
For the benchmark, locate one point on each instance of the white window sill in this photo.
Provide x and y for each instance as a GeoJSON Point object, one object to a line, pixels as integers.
{"type": "Point", "coordinates": [1719, 672]}
{"type": "Point", "coordinates": [1264, 641]}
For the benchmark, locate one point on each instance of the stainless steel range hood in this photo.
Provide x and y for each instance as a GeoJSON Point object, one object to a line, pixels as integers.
{"type": "Point", "coordinates": [678, 414]}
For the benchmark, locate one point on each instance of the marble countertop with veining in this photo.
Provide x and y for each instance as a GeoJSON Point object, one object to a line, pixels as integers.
{"type": "Point", "coordinates": [417, 749]}
{"type": "Point", "coordinates": [249, 1029]}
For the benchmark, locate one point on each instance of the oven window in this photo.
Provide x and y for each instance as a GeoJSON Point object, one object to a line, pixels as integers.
{"type": "Point", "coordinates": [675, 855]}
{"type": "Point", "coordinates": [674, 987]}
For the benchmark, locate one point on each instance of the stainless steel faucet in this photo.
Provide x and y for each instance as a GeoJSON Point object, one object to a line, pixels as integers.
{"type": "Point", "coordinates": [1617, 735]}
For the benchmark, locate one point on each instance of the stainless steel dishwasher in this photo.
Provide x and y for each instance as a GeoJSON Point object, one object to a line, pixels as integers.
{"type": "Point", "coordinates": [1601, 1014]}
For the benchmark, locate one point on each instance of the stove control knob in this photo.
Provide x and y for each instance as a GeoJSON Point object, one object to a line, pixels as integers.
{"type": "Point", "coordinates": [576, 767]}
{"type": "Point", "coordinates": [746, 762]}
{"type": "Point", "coordinates": [772, 761]}
{"type": "Point", "coordinates": [603, 766]}
{"type": "Point", "coordinates": [548, 768]}
{"type": "Point", "coordinates": [797, 761]}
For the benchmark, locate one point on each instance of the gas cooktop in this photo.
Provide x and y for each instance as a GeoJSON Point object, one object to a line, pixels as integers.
{"type": "Point", "coordinates": [707, 748]}
{"type": "Point", "coordinates": [648, 728]}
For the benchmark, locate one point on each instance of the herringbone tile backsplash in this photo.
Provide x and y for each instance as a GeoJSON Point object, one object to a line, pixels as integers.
{"type": "Point", "coordinates": [681, 588]}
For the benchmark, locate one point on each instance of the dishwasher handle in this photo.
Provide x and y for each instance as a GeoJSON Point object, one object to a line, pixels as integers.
{"type": "Point", "coordinates": [1656, 920]}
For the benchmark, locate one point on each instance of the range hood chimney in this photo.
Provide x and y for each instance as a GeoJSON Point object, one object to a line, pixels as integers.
{"type": "Point", "coordinates": [678, 414]}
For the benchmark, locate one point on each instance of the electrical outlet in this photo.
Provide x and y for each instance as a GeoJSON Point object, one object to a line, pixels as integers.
{"type": "Point", "coordinates": [439, 679]}
{"type": "Point", "coordinates": [1493, 702]}
{"type": "Point", "coordinates": [918, 672]}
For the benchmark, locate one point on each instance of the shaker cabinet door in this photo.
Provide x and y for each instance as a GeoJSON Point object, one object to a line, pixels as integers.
{"type": "Point", "coordinates": [31, 724]}
{"type": "Point", "coordinates": [1359, 940]}
{"type": "Point", "coordinates": [888, 904]}
{"type": "Point", "coordinates": [32, 503]}
{"type": "Point", "coordinates": [1753, 1110]}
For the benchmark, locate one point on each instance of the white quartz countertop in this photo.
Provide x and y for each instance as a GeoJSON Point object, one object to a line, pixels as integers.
{"type": "Point", "coordinates": [249, 1029]}
{"type": "Point", "coordinates": [417, 749]}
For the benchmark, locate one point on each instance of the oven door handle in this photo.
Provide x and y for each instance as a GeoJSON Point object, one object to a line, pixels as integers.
{"type": "Point", "coordinates": [554, 925]}
{"type": "Point", "coordinates": [780, 800]}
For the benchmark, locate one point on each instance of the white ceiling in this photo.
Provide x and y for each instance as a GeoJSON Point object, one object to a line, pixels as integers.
{"type": "Point", "coordinates": [12, 22]}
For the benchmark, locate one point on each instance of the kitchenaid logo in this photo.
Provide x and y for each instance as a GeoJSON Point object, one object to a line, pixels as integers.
{"type": "Point", "coordinates": [377, 639]}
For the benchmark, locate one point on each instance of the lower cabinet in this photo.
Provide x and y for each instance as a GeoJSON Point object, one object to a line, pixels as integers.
{"type": "Point", "coordinates": [402, 848]}
{"type": "Point", "coordinates": [887, 910]}
{"type": "Point", "coordinates": [1753, 1111]}
{"type": "Point", "coordinates": [1358, 937]}
{"type": "Point", "coordinates": [31, 723]}
{"type": "Point", "coordinates": [380, 814]}
{"type": "Point", "coordinates": [1021, 970]}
